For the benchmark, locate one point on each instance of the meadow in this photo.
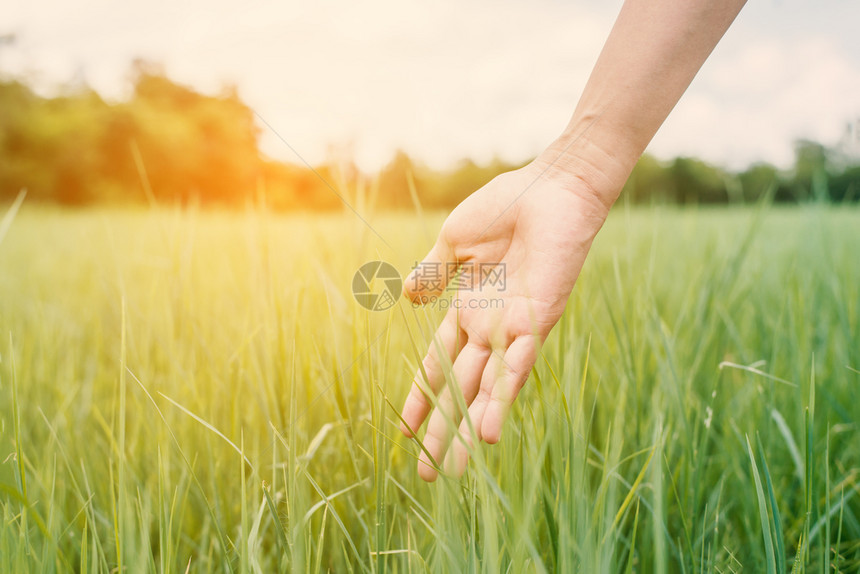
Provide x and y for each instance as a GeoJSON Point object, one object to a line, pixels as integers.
{"type": "Point", "coordinates": [197, 391]}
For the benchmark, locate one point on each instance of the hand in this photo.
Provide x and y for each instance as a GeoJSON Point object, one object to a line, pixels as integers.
{"type": "Point", "coordinates": [540, 226]}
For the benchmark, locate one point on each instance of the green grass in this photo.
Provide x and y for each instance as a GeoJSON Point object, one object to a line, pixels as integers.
{"type": "Point", "coordinates": [187, 390]}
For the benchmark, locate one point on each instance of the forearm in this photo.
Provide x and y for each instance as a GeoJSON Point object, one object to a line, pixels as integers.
{"type": "Point", "coordinates": [655, 49]}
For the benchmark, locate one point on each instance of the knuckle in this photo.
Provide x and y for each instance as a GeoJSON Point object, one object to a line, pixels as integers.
{"type": "Point", "coordinates": [418, 394]}
{"type": "Point", "coordinates": [430, 368]}
{"type": "Point", "coordinates": [510, 373]}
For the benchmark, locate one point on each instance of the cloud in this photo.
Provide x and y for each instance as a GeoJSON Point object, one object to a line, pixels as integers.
{"type": "Point", "coordinates": [753, 101]}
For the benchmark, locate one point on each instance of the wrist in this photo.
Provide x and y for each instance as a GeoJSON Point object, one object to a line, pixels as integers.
{"type": "Point", "coordinates": [589, 159]}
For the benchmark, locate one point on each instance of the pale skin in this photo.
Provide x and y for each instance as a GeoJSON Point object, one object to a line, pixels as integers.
{"type": "Point", "coordinates": [540, 222]}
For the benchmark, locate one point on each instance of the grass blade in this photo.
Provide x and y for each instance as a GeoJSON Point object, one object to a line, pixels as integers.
{"type": "Point", "coordinates": [762, 509]}
{"type": "Point", "coordinates": [777, 521]}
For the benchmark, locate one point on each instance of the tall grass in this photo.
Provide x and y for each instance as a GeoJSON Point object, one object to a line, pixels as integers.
{"type": "Point", "coordinates": [186, 391]}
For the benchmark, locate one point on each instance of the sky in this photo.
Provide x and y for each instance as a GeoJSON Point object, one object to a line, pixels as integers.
{"type": "Point", "coordinates": [447, 80]}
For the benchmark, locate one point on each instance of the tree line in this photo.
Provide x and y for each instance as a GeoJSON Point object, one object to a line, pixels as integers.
{"type": "Point", "coordinates": [169, 144]}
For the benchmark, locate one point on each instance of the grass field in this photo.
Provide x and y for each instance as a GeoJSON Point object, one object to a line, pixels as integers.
{"type": "Point", "coordinates": [199, 391]}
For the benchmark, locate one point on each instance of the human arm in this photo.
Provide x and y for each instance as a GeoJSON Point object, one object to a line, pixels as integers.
{"type": "Point", "coordinates": [539, 222]}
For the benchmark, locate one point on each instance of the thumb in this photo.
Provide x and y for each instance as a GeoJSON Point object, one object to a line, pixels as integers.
{"type": "Point", "coordinates": [429, 277]}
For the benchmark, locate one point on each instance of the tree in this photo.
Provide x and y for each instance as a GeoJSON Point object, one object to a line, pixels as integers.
{"type": "Point", "coordinates": [810, 170]}
{"type": "Point", "coordinates": [694, 181]}
{"type": "Point", "coordinates": [193, 145]}
{"type": "Point", "coordinates": [758, 180]}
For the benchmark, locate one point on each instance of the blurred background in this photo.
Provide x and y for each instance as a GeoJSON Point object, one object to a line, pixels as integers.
{"type": "Point", "coordinates": [193, 388]}
{"type": "Point", "coordinates": [222, 104]}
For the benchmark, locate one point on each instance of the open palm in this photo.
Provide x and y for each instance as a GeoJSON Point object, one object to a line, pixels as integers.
{"type": "Point", "coordinates": [534, 233]}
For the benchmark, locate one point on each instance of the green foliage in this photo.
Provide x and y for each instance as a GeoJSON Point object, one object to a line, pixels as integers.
{"type": "Point", "coordinates": [649, 181]}
{"type": "Point", "coordinates": [694, 181]}
{"type": "Point", "coordinates": [166, 143]}
{"type": "Point", "coordinates": [681, 181]}
{"type": "Point", "coordinates": [434, 188]}
{"type": "Point", "coordinates": [761, 179]}
{"type": "Point", "coordinates": [52, 147]}
{"type": "Point", "coordinates": [183, 387]}
{"type": "Point", "coordinates": [172, 145]}
{"type": "Point", "coordinates": [192, 146]}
